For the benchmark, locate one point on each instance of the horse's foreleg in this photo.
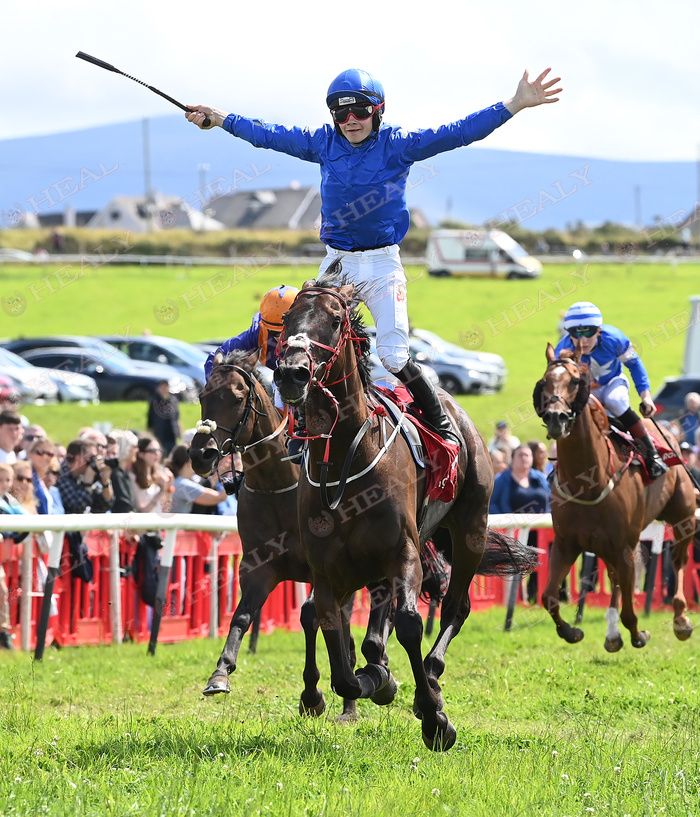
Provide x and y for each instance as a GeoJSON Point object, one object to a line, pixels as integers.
{"type": "Point", "coordinates": [348, 684]}
{"type": "Point", "coordinates": [349, 713]}
{"type": "Point", "coordinates": [438, 732]}
{"type": "Point", "coordinates": [613, 637]}
{"type": "Point", "coordinates": [253, 595]}
{"type": "Point", "coordinates": [254, 633]}
{"type": "Point", "coordinates": [379, 627]}
{"type": "Point", "coordinates": [311, 701]}
{"type": "Point", "coordinates": [561, 558]}
{"type": "Point", "coordinates": [624, 570]}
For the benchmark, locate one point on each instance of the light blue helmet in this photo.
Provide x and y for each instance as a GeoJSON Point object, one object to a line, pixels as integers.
{"type": "Point", "coordinates": [583, 313]}
{"type": "Point", "coordinates": [355, 86]}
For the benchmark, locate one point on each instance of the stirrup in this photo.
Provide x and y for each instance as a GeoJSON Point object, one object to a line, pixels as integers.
{"type": "Point", "coordinates": [656, 466]}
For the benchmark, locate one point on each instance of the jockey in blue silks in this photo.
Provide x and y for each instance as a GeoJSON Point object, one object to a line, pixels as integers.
{"type": "Point", "coordinates": [604, 349]}
{"type": "Point", "coordinates": [364, 166]}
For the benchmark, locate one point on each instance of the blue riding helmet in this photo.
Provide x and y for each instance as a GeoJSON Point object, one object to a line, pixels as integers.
{"type": "Point", "coordinates": [354, 86]}
{"type": "Point", "coordinates": [582, 313]}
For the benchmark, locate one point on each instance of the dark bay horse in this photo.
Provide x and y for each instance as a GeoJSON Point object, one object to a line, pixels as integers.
{"type": "Point", "coordinates": [238, 415]}
{"type": "Point", "coordinates": [369, 531]}
{"type": "Point", "coordinates": [600, 504]}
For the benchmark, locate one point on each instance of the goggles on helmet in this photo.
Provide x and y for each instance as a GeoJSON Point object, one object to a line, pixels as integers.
{"type": "Point", "coordinates": [362, 112]}
{"type": "Point", "coordinates": [583, 331]}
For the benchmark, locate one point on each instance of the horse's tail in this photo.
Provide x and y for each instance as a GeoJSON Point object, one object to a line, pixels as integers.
{"type": "Point", "coordinates": [505, 556]}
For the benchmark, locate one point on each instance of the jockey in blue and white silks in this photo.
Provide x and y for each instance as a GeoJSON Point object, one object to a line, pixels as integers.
{"type": "Point", "coordinates": [364, 166]}
{"type": "Point", "coordinates": [604, 349]}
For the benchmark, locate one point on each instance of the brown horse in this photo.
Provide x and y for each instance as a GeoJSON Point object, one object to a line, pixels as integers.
{"type": "Point", "coordinates": [600, 503]}
{"type": "Point", "coordinates": [238, 415]}
{"type": "Point", "coordinates": [370, 530]}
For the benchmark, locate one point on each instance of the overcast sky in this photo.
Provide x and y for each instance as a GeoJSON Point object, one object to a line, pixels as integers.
{"type": "Point", "coordinates": [630, 69]}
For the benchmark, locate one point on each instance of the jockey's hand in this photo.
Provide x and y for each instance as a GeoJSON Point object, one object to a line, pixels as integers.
{"type": "Point", "coordinates": [647, 407]}
{"type": "Point", "coordinates": [200, 112]}
{"type": "Point", "coordinates": [530, 94]}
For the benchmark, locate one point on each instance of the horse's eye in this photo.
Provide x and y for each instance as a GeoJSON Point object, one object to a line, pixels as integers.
{"type": "Point", "coordinates": [336, 323]}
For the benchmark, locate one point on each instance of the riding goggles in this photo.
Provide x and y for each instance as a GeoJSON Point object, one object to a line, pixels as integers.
{"type": "Point", "coordinates": [340, 115]}
{"type": "Point", "coordinates": [583, 331]}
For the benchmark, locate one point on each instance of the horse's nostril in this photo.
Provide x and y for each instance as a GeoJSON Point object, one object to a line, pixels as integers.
{"type": "Point", "coordinates": [209, 454]}
{"type": "Point", "coordinates": [301, 375]}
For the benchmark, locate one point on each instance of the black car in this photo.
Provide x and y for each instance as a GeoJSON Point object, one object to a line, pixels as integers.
{"type": "Point", "coordinates": [115, 380]}
{"type": "Point", "coordinates": [670, 400]}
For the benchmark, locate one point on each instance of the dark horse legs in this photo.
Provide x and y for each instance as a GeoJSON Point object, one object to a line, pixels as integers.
{"type": "Point", "coordinates": [561, 557]}
{"type": "Point", "coordinates": [253, 596]}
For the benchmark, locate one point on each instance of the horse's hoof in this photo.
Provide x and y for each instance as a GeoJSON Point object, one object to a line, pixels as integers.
{"type": "Point", "coordinates": [614, 644]}
{"type": "Point", "coordinates": [216, 685]}
{"type": "Point", "coordinates": [682, 628]}
{"type": "Point", "coordinates": [385, 695]}
{"type": "Point", "coordinates": [644, 637]}
{"type": "Point", "coordinates": [444, 737]}
{"type": "Point", "coordinates": [372, 679]}
{"type": "Point", "coordinates": [572, 635]}
{"type": "Point", "coordinates": [312, 710]}
{"type": "Point", "coordinates": [349, 713]}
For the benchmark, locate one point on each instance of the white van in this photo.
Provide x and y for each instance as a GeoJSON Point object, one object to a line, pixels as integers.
{"type": "Point", "coordinates": [479, 252]}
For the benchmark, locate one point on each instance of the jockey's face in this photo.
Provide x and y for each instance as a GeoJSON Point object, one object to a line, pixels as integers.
{"type": "Point", "coordinates": [356, 130]}
{"type": "Point", "coordinates": [587, 345]}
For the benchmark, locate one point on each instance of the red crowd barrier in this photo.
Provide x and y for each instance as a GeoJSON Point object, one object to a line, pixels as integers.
{"type": "Point", "coordinates": [82, 609]}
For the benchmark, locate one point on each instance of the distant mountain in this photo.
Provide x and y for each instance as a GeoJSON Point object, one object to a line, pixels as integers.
{"type": "Point", "coordinates": [84, 169]}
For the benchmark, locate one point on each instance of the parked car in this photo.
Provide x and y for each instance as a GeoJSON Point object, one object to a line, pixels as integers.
{"type": "Point", "coordinates": [115, 379]}
{"type": "Point", "coordinates": [670, 399]}
{"type": "Point", "coordinates": [380, 374]}
{"type": "Point", "coordinates": [31, 384]}
{"type": "Point", "coordinates": [101, 347]}
{"type": "Point", "coordinates": [184, 357]}
{"type": "Point", "coordinates": [71, 386]}
{"type": "Point", "coordinates": [488, 362]}
{"type": "Point", "coordinates": [9, 254]}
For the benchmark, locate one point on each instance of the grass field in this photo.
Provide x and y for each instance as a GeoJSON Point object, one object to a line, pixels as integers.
{"type": "Point", "coordinates": [544, 728]}
{"type": "Point", "coordinates": [513, 318]}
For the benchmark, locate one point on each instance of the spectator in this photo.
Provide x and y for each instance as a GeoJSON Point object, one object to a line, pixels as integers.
{"type": "Point", "coordinates": [22, 486]}
{"type": "Point", "coordinates": [51, 480]}
{"type": "Point", "coordinates": [32, 433]}
{"type": "Point", "coordinates": [690, 421]}
{"type": "Point", "coordinates": [10, 436]}
{"type": "Point", "coordinates": [188, 492]}
{"type": "Point", "coordinates": [41, 455]}
{"type": "Point", "coordinates": [153, 482]}
{"type": "Point", "coordinates": [121, 465]}
{"type": "Point", "coordinates": [522, 489]}
{"type": "Point", "coordinates": [499, 460]}
{"type": "Point", "coordinates": [84, 483]}
{"type": "Point", "coordinates": [503, 439]}
{"type": "Point", "coordinates": [540, 459]}
{"type": "Point", "coordinates": [92, 435]}
{"type": "Point", "coordinates": [8, 505]}
{"type": "Point", "coordinates": [163, 419]}
{"type": "Point", "coordinates": [690, 460]}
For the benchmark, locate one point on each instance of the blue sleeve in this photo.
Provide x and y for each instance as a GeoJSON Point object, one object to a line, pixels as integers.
{"type": "Point", "coordinates": [564, 343]}
{"type": "Point", "coordinates": [417, 145]}
{"type": "Point", "coordinates": [499, 497]}
{"type": "Point", "coordinates": [299, 142]}
{"type": "Point", "coordinates": [245, 342]}
{"type": "Point", "coordinates": [628, 355]}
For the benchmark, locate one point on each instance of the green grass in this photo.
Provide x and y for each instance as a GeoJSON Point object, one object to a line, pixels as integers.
{"type": "Point", "coordinates": [512, 318]}
{"type": "Point", "coordinates": [544, 728]}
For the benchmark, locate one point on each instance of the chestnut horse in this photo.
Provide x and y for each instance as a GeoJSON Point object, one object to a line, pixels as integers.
{"type": "Point", "coordinates": [370, 530]}
{"type": "Point", "coordinates": [600, 504]}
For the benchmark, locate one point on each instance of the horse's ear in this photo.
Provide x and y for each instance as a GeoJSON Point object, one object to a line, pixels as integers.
{"type": "Point", "coordinates": [218, 359]}
{"type": "Point", "coordinates": [348, 292]}
{"type": "Point", "coordinates": [577, 353]}
{"type": "Point", "coordinates": [551, 357]}
{"type": "Point", "coordinates": [309, 283]}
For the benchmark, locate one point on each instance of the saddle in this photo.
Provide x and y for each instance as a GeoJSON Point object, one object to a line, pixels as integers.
{"type": "Point", "coordinates": [624, 442]}
{"type": "Point", "coordinates": [429, 450]}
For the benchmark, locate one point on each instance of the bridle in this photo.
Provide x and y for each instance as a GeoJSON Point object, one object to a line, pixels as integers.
{"type": "Point", "coordinates": [544, 402]}
{"type": "Point", "coordinates": [230, 445]}
{"type": "Point", "coordinates": [320, 372]}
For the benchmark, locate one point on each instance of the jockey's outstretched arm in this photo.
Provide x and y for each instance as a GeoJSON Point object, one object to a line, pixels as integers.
{"type": "Point", "coordinates": [247, 341]}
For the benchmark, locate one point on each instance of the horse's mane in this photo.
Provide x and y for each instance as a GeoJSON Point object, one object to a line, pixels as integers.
{"type": "Point", "coordinates": [333, 278]}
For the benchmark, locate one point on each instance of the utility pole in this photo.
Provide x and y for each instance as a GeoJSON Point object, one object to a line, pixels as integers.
{"type": "Point", "coordinates": [147, 188]}
{"type": "Point", "coordinates": [203, 169]}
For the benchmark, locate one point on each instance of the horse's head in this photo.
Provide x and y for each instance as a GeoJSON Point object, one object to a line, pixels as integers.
{"type": "Point", "coordinates": [315, 331]}
{"type": "Point", "coordinates": [229, 410]}
{"type": "Point", "coordinates": [560, 396]}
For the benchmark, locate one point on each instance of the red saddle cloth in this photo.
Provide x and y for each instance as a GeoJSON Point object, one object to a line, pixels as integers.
{"type": "Point", "coordinates": [440, 456]}
{"type": "Point", "coordinates": [668, 455]}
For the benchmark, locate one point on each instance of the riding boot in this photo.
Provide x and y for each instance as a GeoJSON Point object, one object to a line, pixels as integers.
{"type": "Point", "coordinates": [423, 391]}
{"type": "Point", "coordinates": [655, 465]}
